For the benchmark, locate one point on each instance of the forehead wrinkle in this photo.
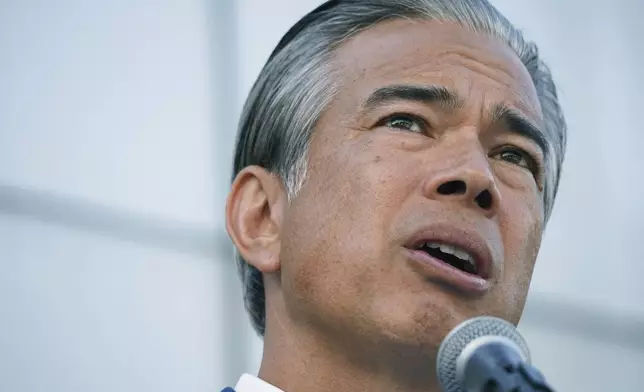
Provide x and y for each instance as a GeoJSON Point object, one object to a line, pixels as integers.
{"type": "Point", "coordinates": [416, 72]}
{"type": "Point", "coordinates": [372, 59]}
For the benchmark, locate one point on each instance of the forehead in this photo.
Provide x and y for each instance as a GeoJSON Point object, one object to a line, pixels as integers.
{"type": "Point", "coordinates": [478, 67]}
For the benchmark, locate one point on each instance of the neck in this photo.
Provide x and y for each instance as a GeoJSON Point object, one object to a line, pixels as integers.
{"type": "Point", "coordinates": [301, 359]}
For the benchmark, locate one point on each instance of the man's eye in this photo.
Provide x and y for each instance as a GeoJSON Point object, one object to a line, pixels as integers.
{"type": "Point", "coordinates": [408, 123]}
{"type": "Point", "coordinates": [518, 157]}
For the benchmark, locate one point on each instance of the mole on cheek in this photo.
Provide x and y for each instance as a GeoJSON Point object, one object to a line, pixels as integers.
{"type": "Point", "coordinates": [377, 159]}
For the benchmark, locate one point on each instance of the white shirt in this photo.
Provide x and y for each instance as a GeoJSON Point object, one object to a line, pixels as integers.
{"type": "Point", "coordinates": [248, 383]}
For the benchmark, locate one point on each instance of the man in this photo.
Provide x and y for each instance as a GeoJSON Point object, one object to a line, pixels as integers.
{"type": "Point", "coordinates": [396, 164]}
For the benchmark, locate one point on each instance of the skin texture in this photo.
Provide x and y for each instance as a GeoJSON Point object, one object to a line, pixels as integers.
{"type": "Point", "coordinates": [346, 308]}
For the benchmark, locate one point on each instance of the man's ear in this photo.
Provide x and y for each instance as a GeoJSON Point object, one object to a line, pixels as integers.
{"type": "Point", "coordinates": [254, 215]}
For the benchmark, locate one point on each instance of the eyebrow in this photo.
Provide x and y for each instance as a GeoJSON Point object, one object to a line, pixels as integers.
{"type": "Point", "coordinates": [422, 94]}
{"type": "Point", "coordinates": [519, 124]}
{"type": "Point", "coordinates": [514, 119]}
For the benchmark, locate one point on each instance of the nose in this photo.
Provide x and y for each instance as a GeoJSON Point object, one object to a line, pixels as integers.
{"type": "Point", "coordinates": [470, 183]}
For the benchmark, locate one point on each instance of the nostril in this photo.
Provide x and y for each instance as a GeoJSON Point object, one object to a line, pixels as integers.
{"type": "Point", "coordinates": [453, 187]}
{"type": "Point", "coordinates": [484, 200]}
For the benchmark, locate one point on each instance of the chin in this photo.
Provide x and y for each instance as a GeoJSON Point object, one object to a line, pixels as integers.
{"type": "Point", "coordinates": [420, 327]}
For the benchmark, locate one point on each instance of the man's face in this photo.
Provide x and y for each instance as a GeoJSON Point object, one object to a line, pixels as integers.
{"type": "Point", "coordinates": [428, 140]}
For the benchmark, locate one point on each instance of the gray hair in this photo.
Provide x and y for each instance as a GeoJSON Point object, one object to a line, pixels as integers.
{"type": "Point", "coordinates": [296, 85]}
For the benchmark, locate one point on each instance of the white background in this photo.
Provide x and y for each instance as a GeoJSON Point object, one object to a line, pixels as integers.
{"type": "Point", "coordinates": [116, 127]}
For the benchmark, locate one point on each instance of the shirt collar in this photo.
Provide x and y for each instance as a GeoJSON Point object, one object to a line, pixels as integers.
{"type": "Point", "coordinates": [248, 383]}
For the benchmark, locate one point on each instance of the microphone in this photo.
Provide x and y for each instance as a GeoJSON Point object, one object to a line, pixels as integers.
{"type": "Point", "coordinates": [487, 354]}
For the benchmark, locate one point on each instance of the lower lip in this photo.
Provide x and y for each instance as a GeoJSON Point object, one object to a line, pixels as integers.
{"type": "Point", "coordinates": [437, 269]}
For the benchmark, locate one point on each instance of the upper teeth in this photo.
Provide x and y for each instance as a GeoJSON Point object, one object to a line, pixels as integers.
{"type": "Point", "coordinates": [460, 253]}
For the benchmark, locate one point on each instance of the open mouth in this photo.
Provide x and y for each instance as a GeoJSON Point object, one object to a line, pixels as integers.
{"type": "Point", "coordinates": [452, 255]}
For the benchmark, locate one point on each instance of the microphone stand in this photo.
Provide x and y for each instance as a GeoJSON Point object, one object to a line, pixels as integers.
{"type": "Point", "coordinates": [490, 370]}
{"type": "Point", "coordinates": [525, 378]}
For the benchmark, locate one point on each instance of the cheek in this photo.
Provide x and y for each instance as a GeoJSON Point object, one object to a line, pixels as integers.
{"type": "Point", "coordinates": [521, 222]}
{"type": "Point", "coordinates": [334, 232]}
{"type": "Point", "coordinates": [521, 227]}
{"type": "Point", "coordinates": [360, 180]}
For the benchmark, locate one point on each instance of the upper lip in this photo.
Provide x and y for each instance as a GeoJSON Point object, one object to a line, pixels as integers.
{"type": "Point", "coordinates": [469, 241]}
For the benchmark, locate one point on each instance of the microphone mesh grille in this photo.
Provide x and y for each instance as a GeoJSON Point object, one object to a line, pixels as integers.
{"type": "Point", "coordinates": [461, 336]}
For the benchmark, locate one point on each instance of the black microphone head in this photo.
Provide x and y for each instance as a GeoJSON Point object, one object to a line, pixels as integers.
{"type": "Point", "coordinates": [460, 339]}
